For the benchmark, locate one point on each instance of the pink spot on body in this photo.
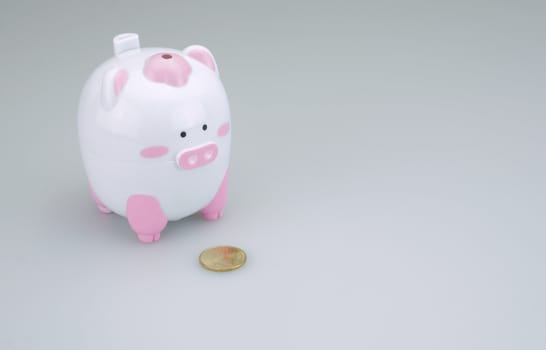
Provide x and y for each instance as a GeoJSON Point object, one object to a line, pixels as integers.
{"type": "Point", "coordinates": [223, 129]}
{"type": "Point", "coordinates": [166, 68]}
{"type": "Point", "coordinates": [154, 152]}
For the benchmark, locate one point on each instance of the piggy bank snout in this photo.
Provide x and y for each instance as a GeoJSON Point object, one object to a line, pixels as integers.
{"type": "Point", "coordinates": [167, 68]}
{"type": "Point", "coordinates": [197, 157]}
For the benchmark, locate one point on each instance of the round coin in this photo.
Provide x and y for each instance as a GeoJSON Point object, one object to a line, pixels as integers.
{"type": "Point", "coordinates": [222, 258]}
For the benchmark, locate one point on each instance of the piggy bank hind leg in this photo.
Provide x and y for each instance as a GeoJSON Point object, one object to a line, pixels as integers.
{"type": "Point", "coordinates": [215, 209]}
{"type": "Point", "coordinates": [100, 205]}
{"type": "Point", "coordinates": [146, 217]}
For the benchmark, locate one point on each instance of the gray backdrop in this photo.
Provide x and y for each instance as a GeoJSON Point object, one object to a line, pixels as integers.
{"type": "Point", "coordinates": [388, 180]}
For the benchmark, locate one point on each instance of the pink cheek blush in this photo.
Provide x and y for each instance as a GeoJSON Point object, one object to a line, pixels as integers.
{"type": "Point", "coordinates": [223, 129]}
{"type": "Point", "coordinates": [154, 152]}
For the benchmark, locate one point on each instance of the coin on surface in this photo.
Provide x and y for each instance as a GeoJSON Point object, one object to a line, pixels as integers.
{"type": "Point", "coordinates": [222, 258]}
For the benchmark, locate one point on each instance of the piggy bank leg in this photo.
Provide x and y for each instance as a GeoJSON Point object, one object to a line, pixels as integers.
{"type": "Point", "coordinates": [145, 217]}
{"type": "Point", "coordinates": [215, 209]}
{"type": "Point", "coordinates": [100, 205]}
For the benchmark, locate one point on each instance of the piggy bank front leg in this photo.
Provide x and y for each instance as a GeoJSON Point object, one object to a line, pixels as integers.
{"type": "Point", "coordinates": [100, 205]}
{"type": "Point", "coordinates": [215, 209]}
{"type": "Point", "coordinates": [146, 217]}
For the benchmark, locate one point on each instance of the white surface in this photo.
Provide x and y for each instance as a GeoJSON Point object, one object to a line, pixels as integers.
{"type": "Point", "coordinates": [387, 182]}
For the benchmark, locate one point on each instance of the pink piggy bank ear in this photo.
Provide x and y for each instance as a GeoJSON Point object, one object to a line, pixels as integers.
{"type": "Point", "coordinates": [202, 55]}
{"type": "Point", "coordinates": [113, 82]}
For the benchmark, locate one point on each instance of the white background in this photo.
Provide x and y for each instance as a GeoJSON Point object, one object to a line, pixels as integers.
{"type": "Point", "coordinates": [387, 180]}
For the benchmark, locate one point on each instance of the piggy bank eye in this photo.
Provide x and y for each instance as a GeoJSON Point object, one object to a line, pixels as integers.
{"type": "Point", "coordinates": [183, 134]}
{"type": "Point", "coordinates": [204, 127]}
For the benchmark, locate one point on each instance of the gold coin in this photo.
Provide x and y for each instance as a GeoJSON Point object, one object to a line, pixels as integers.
{"type": "Point", "coordinates": [222, 258]}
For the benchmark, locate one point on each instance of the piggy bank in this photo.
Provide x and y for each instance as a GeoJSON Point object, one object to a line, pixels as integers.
{"type": "Point", "coordinates": [154, 130]}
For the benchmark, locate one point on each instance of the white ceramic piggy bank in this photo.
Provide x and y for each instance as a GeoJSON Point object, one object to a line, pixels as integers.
{"type": "Point", "coordinates": [155, 133]}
